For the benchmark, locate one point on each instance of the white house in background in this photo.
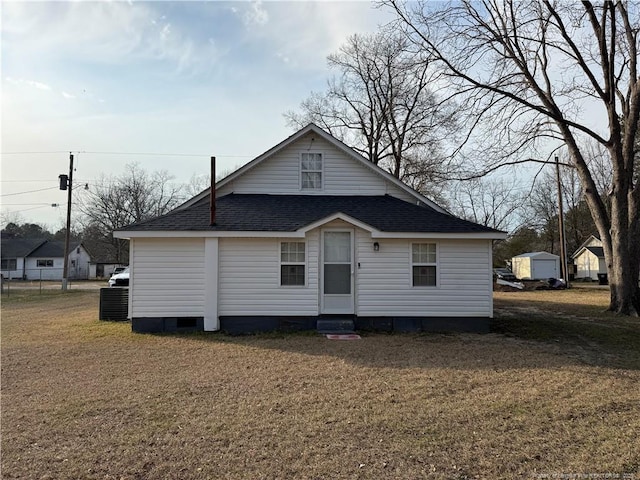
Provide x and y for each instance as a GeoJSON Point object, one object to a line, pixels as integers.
{"type": "Point", "coordinates": [536, 266]}
{"type": "Point", "coordinates": [589, 259]}
{"type": "Point", "coordinates": [306, 234]}
{"type": "Point", "coordinates": [33, 259]}
{"type": "Point", "coordinates": [14, 253]}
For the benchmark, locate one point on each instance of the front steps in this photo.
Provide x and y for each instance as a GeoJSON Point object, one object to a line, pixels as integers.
{"type": "Point", "coordinates": [337, 325]}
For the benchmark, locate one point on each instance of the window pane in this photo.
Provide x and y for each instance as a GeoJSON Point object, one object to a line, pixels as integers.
{"type": "Point", "coordinates": [292, 275]}
{"type": "Point", "coordinates": [424, 253]}
{"type": "Point", "coordinates": [424, 276]}
{"type": "Point", "coordinates": [292, 252]}
{"type": "Point", "coordinates": [337, 247]}
{"type": "Point", "coordinates": [337, 279]}
{"type": "Point", "coordinates": [311, 180]}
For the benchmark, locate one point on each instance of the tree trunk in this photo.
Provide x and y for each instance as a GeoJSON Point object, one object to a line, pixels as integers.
{"type": "Point", "coordinates": [623, 260]}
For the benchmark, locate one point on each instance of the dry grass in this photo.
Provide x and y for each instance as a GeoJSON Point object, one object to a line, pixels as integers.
{"type": "Point", "coordinates": [83, 399]}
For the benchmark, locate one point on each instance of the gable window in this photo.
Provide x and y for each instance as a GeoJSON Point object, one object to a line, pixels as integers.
{"type": "Point", "coordinates": [424, 266]}
{"type": "Point", "coordinates": [9, 264]}
{"type": "Point", "coordinates": [292, 263]}
{"type": "Point", "coordinates": [44, 263]}
{"type": "Point", "coordinates": [311, 171]}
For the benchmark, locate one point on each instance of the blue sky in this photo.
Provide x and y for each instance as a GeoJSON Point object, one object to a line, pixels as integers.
{"type": "Point", "coordinates": [199, 78]}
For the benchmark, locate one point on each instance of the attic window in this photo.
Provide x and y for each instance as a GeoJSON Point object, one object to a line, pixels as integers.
{"type": "Point", "coordinates": [311, 171]}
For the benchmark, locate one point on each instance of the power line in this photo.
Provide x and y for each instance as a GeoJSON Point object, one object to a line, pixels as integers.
{"type": "Point", "coordinates": [130, 153]}
{"type": "Point", "coordinates": [30, 191]}
{"type": "Point", "coordinates": [25, 181]}
{"type": "Point", "coordinates": [27, 209]}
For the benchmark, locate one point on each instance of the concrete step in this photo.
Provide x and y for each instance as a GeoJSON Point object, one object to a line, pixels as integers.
{"type": "Point", "coordinates": [335, 325]}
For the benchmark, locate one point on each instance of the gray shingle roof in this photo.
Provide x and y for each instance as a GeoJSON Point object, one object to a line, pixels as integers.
{"type": "Point", "coordinates": [19, 247]}
{"type": "Point", "coordinates": [597, 251]}
{"type": "Point", "coordinates": [288, 213]}
{"type": "Point", "coordinates": [49, 250]}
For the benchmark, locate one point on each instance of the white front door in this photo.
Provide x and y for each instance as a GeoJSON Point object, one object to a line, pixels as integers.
{"type": "Point", "coordinates": [337, 282]}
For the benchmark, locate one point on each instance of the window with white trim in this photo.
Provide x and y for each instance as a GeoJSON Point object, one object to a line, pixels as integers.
{"type": "Point", "coordinates": [292, 264]}
{"type": "Point", "coordinates": [311, 171]}
{"type": "Point", "coordinates": [424, 266]}
{"type": "Point", "coordinates": [44, 263]}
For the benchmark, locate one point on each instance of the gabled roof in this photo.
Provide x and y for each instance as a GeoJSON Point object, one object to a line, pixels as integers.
{"type": "Point", "coordinates": [537, 255]}
{"type": "Point", "coordinates": [582, 247]}
{"type": "Point", "coordinates": [19, 247]}
{"type": "Point", "coordinates": [49, 250]}
{"type": "Point", "coordinates": [291, 213]}
{"type": "Point", "coordinates": [336, 143]}
{"type": "Point", "coordinates": [597, 251]}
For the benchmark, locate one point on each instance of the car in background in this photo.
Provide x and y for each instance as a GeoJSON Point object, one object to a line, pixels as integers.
{"type": "Point", "coordinates": [118, 270]}
{"type": "Point", "coordinates": [120, 279]}
{"type": "Point", "coordinates": [504, 274]}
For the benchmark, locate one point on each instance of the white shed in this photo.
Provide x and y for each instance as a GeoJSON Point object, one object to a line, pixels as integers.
{"type": "Point", "coordinates": [536, 266]}
{"type": "Point", "coordinates": [589, 259]}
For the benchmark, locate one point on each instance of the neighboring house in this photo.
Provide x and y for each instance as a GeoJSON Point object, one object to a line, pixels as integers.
{"type": "Point", "coordinates": [14, 252]}
{"type": "Point", "coordinates": [589, 259]}
{"type": "Point", "coordinates": [103, 260]}
{"type": "Point", "coordinates": [536, 266]}
{"type": "Point", "coordinates": [306, 232]}
{"type": "Point", "coordinates": [42, 260]}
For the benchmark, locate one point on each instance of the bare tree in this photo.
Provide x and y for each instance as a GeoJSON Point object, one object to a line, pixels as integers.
{"type": "Point", "coordinates": [527, 71]}
{"type": "Point", "coordinates": [135, 196]}
{"type": "Point", "coordinates": [382, 102]}
{"type": "Point", "coordinates": [494, 203]}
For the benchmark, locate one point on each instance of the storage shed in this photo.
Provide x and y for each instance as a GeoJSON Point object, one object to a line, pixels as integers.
{"type": "Point", "coordinates": [536, 266]}
{"type": "Point", "coordinates": [589, 259]}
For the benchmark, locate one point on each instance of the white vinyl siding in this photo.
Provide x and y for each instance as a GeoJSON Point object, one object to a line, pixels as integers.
{"type": "Point", "coordinates": [44, 269]}
{"type": "Point", "coordinates": [167, 278]}
{"type": "Point", "coordinates": [250, 279]}
{"type": "Point", "coordinates": [384, 279]}
{"type": "Point", "coordinates": [341, 175]}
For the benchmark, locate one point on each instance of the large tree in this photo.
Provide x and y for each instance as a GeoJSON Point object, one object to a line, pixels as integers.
{"type": "Point", "coordinates": [382, 102]}
{"type": "Point", "coordinates": [530, 71]}
{"type": "Point", "coordinates": [113, 202]}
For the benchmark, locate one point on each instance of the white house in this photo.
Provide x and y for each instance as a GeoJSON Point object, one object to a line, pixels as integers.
{"type": "Point", "coordinates": [14, 253]}
{"type": "Point", "coordinates": [589, 259]}
{"type": "Point", "coordinates": [33, 259]}
{"type": "Point", "coordinates": [536, 266]}
{"type": "Point", "coordinates": [307, 233]}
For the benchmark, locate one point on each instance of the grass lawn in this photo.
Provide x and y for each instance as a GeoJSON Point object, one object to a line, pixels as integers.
{"type": "Point", "coordinates": [555, 390]}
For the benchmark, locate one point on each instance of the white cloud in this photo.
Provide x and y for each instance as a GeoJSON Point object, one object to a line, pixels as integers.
{"type": "Point", "coordinates": [99, 32]}
{"type": "Point", "coordinates": [31, 83]}
{"type": "Point", "coordinates": [255, 15]}
{"type": "Point", "coordinates": [68, 96]}
{"type": "Point", "coordinates": [38, 85]}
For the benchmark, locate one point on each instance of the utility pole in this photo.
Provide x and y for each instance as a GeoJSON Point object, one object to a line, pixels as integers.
{"type": "Point", "coordinates": [67, 237]}
{"type": "Point", "coordinates": [563, 247]}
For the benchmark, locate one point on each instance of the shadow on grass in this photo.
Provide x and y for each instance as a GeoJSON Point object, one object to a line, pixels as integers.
{"type": "Point", "coordinates": [602, 339]}
{"type": "Point", "coordinates": [520, 338]}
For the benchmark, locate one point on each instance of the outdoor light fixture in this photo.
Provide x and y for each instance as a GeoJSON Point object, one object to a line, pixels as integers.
{"type": "Point", "coordinates": [376, 247]}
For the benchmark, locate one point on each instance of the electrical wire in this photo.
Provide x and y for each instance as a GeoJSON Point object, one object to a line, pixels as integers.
{"type": "Point", "coordinates": [129, 153]}
{"type": "Point", "coordinates": [30, 191]}
{"type": "Point", "coordinates": [27, 209]}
